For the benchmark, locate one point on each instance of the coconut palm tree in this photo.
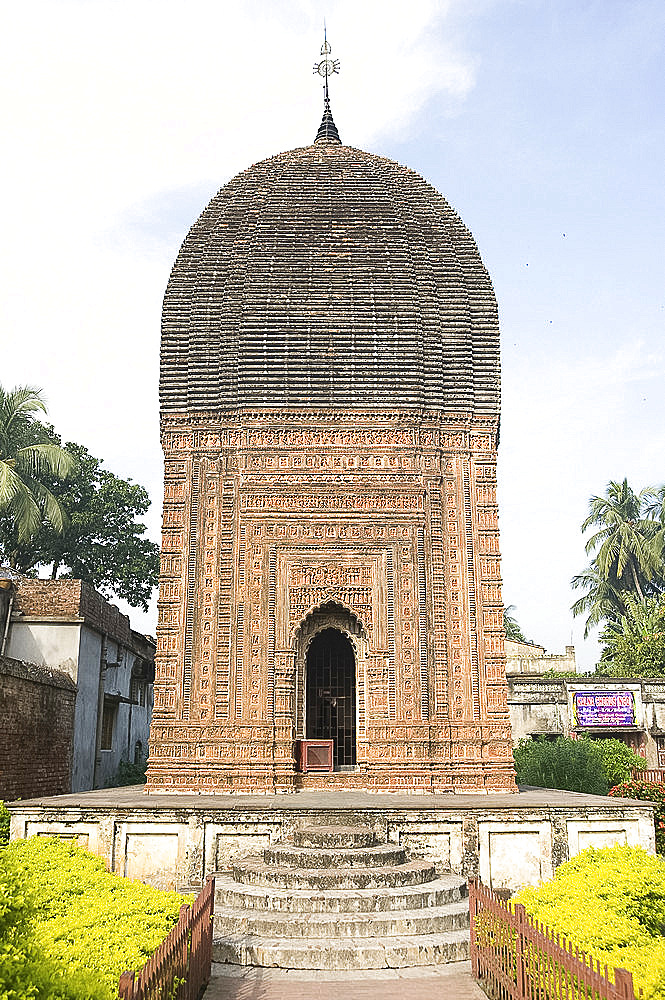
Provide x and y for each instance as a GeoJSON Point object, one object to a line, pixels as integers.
{"type": "Point", "coordinates": [625, 549]}
{"type": "Point", "coordinates": [602, 601]}
{"type": "Point", "coordinates": [25, 461]}
{"type": "Point", "coordinates": [511, 625]}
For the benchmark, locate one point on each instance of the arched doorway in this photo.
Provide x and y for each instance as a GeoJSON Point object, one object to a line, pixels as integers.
{"type": "Point", "coordinates": [331, 694]}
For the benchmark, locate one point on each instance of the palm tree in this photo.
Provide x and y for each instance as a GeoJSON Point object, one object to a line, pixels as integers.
{"type": "Point", "coordinates": [639, 621]}
{"type": "Point", "coordinates": [625, 550]}
{"type": "Point", "coordinates": [655, 505]}
{"type": "Point", "coordinates": [25, 461]}
{"type": "Point", "coordinates": [602, 601]}
{"type": "Point", "coordinates": [511, 626]}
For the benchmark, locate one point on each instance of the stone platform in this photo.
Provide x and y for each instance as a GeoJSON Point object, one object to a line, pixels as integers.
{"type": "Point", "coordinates": [177, 840]}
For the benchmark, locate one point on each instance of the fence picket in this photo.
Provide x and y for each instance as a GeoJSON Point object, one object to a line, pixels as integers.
{"type": "Point", "coordinates": [126, 986]}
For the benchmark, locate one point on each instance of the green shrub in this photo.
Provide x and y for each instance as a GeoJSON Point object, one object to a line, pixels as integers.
{"type": "Point", "coordinates": [4, 824]}
{"type": "Point", "coordinates": [129, 774]}
{"type": "Point", "coordinates": [610, 903]}
{"type": "Point", "coordinates": [649, 791]}
{"type": "Point", "coordinates": [93, 923]}
{"type": "Point", "coordinates": [617, 759]}
{"type": "Point", "coordinates": [560, 763]}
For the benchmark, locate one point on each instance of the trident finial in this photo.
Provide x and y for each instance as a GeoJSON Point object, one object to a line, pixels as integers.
{"type": "Point", "coordinates": [327, 66]}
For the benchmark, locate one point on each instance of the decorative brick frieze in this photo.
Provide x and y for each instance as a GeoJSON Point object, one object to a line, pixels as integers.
{"type": "Point", "coordinates": [408, 571]}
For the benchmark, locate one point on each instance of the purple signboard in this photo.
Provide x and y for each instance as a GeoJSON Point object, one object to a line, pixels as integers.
{"type": "Point", "coordinates": [604, 708]}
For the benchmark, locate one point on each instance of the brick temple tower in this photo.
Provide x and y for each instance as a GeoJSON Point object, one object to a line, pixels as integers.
{"type": "Point", "coordinates": [330, 557]}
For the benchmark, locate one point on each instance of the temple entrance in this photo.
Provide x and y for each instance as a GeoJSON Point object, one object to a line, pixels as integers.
{"type": "Point", "coordinates": [331, 694]}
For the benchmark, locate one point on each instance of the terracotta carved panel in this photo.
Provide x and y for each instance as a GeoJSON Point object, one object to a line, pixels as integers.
{"type": "Point", "coordinates": [280, 525]}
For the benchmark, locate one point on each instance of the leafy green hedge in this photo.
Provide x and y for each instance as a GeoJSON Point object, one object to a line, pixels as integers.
{"type": "Point", "coordinates": [560, 763]}
{"type": "Point", "coordinates": [69, 928]}
{"type": "Point", "coordinates": [582, 765]}
{"type": "Point", "coordinates": [610, 903]}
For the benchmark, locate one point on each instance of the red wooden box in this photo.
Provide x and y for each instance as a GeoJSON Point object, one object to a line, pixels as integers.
{"type": "Point", "coordinates": [314, 755]}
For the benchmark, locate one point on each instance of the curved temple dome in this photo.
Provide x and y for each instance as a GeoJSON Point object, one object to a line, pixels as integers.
{"type": "Point", "coordinates": [329, 277]}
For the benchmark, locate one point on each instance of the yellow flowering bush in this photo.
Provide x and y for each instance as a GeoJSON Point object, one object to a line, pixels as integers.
{"type": "Point", "coordinates": [83, 919]}
{"type": "Point", "coordinates": [610, 903]}
{"type": "Point", "coordinates": [26, 973]}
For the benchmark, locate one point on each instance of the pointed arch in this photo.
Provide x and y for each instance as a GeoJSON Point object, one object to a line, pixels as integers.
{"type": "Point", "coordinates": [335, 615]}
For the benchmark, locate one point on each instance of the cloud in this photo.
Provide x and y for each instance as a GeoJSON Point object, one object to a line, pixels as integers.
{"type": "Point", "coordinates": [120, 119]}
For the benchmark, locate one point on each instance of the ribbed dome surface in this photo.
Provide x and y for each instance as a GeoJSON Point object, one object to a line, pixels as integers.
{"type": "Point", "coordinates": [329, 277]}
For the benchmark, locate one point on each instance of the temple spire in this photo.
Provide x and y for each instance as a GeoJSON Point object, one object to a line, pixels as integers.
{"type": "Point", "coordinates": [325, 68]}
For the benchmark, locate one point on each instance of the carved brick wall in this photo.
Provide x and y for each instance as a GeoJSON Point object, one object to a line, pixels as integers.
{"type": "Point", "coordinates": [278, 524]}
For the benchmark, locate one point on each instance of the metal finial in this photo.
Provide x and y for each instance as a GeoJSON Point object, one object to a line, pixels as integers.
{"type": "Point", "coordinates": [325, 68]}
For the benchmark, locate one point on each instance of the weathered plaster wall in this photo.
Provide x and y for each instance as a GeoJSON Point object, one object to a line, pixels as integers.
{"type": "Point", "coordinates": [178, 845]}
{"type": "Point", "coordinates": [529, 658]}
{"type": "Point", "coordinates": [88, 708]}
{"type": "Point", "coordinates": [132, 723]}
{"type": "Point", "coordinates": [66, 624]}
{"type": "Point", "coordinates": [544, 705]}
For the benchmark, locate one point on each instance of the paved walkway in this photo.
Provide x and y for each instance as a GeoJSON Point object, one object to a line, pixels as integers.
{"type": "Point", "coordinates": [434, 982]}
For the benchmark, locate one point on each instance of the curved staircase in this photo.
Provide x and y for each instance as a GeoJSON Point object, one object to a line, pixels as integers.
{"type": "Point", "coordinates": [335, 898]}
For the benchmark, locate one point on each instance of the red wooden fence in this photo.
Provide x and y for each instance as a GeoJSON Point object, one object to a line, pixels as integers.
{"type": "Point", "coordinates": [656, 774]}
{"type": "Point", "coordinates": [184, 956]}
{"type": "Point", "coordinates": [516, 958]}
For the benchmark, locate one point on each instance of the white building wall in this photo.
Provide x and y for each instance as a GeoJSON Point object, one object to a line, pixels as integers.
{"type": "Point", "coordinates": [46, 643]}
{"type": "Point", "coordinates": [132, 721]}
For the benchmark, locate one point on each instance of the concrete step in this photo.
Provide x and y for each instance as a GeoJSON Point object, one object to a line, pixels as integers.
{"type": "Point", "coordinates": [335, 836]}
{"type": "Point", "coordinates": [445, 889]}
{"type": "Point", "coordinates": [254, 871]}
{"type": "Point", "coordinates": [340, 926]}
{"type": "Point", "coordinates": [317, 953]}
{"type": "Point", "coordinates": [379, 856]}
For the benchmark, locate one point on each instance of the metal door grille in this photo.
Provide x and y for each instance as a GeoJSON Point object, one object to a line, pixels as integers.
{"type": "Point", "coordinates": [331, 695]}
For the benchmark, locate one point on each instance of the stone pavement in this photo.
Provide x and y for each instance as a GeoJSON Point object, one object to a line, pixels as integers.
{"type": "Point", "coordinates": [135, 797]}
{"type": "Point", "coordinates": [434, 982]}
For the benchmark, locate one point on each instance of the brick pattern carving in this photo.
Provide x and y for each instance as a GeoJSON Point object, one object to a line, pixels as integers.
{"type": "Point", "coordinates": [383, 528]}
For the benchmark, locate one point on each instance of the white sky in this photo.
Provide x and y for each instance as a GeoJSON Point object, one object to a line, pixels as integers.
{"type": "Point", "coordinates": [539, 120]}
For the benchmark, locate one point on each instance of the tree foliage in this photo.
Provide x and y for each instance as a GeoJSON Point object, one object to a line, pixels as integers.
{"type": "Point", "coordinates": [30, 463]}
{"type": "Point", "coordinates": [624, 584]}
{"type": "Point", "coordinates": [635, 646]}
{"type": "Point", "coordinates": [101, 539]}
{"type": "Point", "coordinates": [511, 625]}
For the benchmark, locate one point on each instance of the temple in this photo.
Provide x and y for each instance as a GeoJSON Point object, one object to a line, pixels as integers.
{"type": "Point", "coordinates": [330, 575]}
